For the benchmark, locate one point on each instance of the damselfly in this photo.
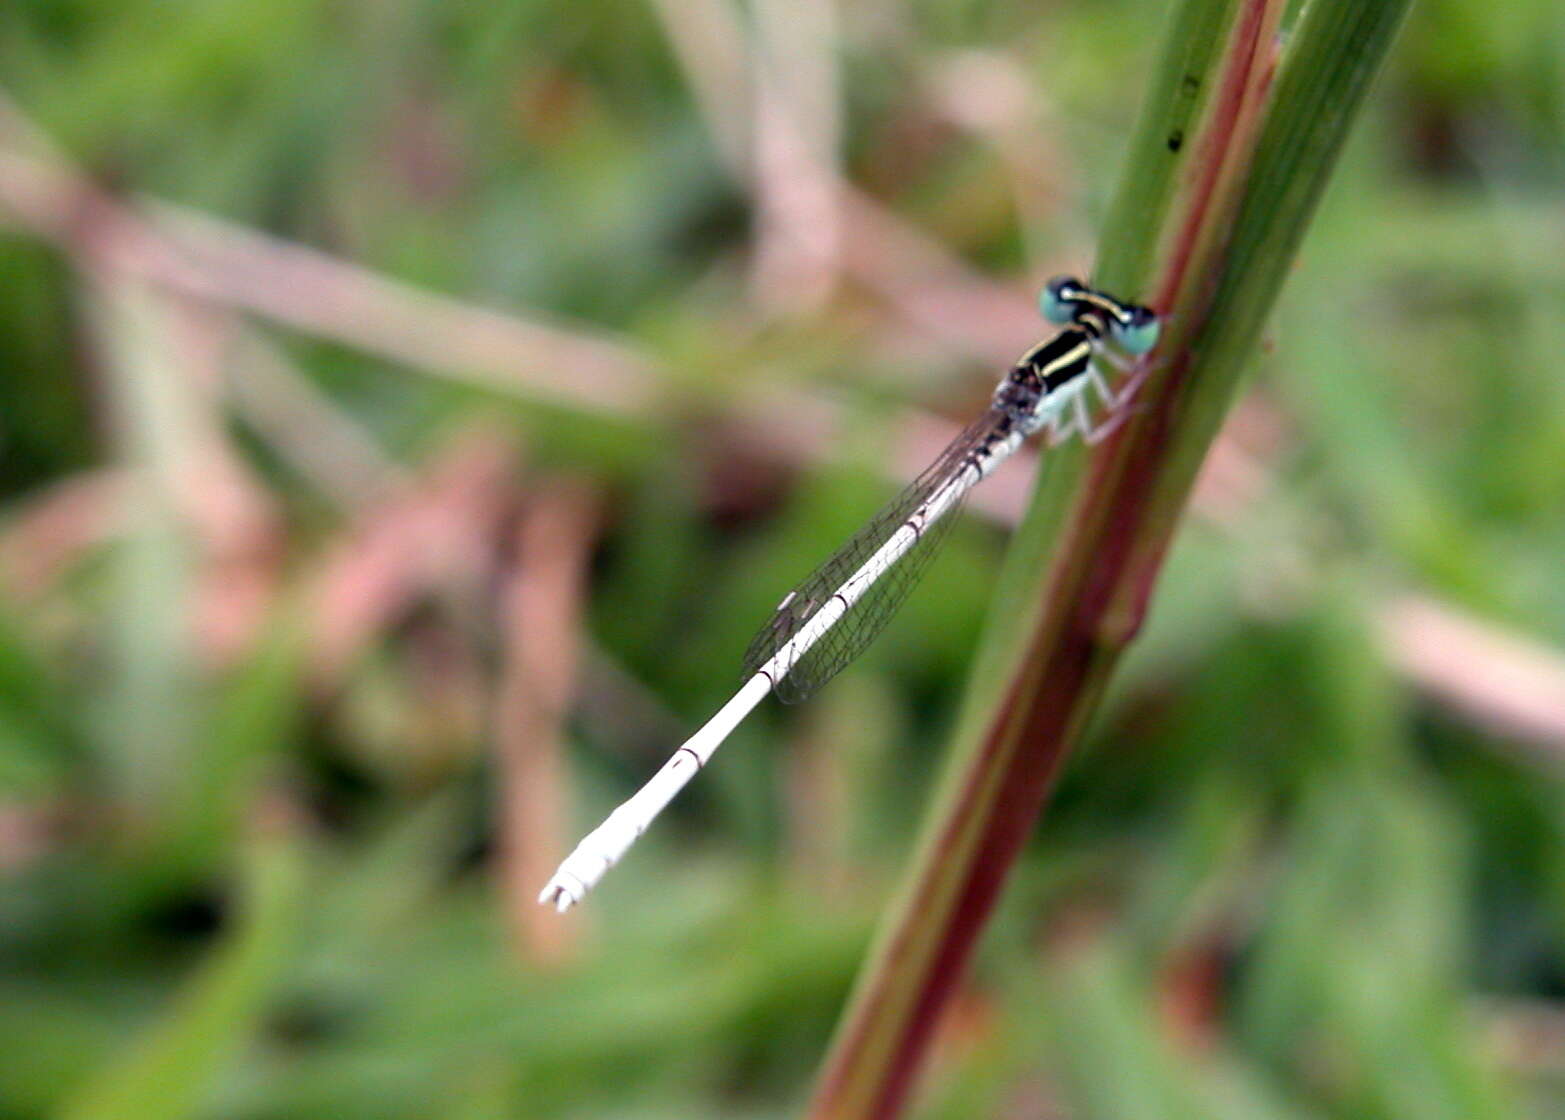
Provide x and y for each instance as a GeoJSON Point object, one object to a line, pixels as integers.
{"type": "Point", "coordinates": [825, 622]}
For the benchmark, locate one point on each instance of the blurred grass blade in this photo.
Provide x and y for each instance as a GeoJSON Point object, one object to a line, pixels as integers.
{"type": "Point", "coordinates": [251, 723]}
{"type": "Point", "coordinates": [38, 739]}
{"type": "Point", "coordinates": [1233, 151]}
{"type": "Point", "coordinates": [167, 1074]}
{"type": "Point", "coordinates": [144, 741]}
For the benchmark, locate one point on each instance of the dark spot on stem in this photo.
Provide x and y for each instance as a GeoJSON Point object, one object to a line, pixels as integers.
{"type": "Point", "coordinates": [1176, 140]}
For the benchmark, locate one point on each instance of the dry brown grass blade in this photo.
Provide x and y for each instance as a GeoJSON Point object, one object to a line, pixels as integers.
{"type": "Point", "coordinates": [433, 535]}
{"type": "Point", "coordinates": [542, 606]}
{"type": "Point", "coordinates": [240, 269]}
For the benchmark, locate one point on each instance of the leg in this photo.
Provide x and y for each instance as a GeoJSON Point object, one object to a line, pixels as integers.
{"type": "Point", "coordinates": [1102, 432]}
{"type": "Point", "coordinates": [1132, 385]}
{"type": "Point", "coordinates": [1121, 362]}
{"type": "Point", "coordinates": [1083, 421]}
{"type": "Point", "coordinates": [1058, 432]}
{"type": "Point", "coordinates": [1095, 381]}
{"type": "Point", "coordinates": [1091, 434]}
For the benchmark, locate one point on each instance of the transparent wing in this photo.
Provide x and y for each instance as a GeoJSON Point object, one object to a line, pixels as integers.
{"type": "Point", "coordinates": [869, 615]}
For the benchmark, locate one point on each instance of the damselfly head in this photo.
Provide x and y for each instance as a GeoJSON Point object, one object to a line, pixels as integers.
{"type": "Point", "coordinates": [1137, 330]}
{"type": "Point", "coordinates": [1065, 300]}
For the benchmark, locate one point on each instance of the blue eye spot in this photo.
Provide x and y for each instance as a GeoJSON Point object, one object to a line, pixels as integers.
{"type": "Point", "coordinates": [1139, 335]}
{"type": "Point", "coordinates": [1052, 303]}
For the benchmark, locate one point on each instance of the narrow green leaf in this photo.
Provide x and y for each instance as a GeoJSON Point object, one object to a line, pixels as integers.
{"type": "Point", "coordinates": [168, 1073]}
{"type": "Point", "coordinates": [1084, 562]}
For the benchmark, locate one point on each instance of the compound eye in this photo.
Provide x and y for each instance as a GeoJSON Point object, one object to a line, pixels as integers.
{"type": "Point", "coordinates": [1054, 301]}
{"type": "Point", "coordinates": [1139, 334]}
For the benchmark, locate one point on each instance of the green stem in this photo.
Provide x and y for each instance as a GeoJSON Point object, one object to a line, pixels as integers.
{"type": "Point", "coordinates": [1234, 147]}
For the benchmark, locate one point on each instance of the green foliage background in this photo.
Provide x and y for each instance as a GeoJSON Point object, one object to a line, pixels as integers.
{"type": "Point", "coordinates": [1294, 875]}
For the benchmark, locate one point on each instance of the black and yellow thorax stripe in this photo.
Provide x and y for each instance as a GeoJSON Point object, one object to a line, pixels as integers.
{"type": "Point", "coordinates": [1061, 359]}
